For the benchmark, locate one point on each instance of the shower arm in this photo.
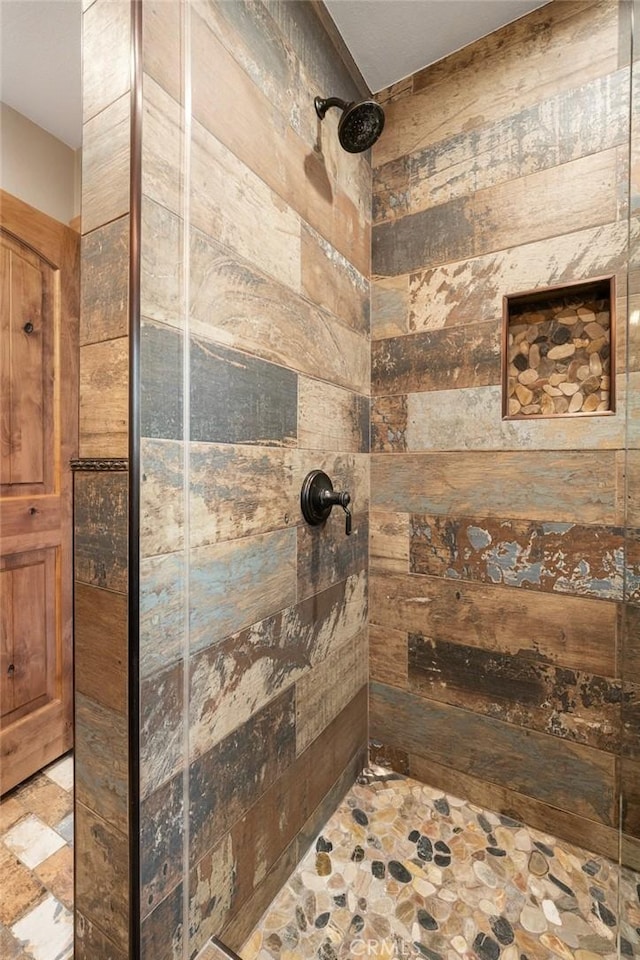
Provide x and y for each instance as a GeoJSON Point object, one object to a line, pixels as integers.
{"type": "Point", "coordinates": [322, 104]}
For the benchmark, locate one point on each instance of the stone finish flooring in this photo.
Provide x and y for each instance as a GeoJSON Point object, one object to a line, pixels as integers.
{"type": "Point", "coordinates": [402, 870]}
{"type": "Point", "coordinates": [36, 866]}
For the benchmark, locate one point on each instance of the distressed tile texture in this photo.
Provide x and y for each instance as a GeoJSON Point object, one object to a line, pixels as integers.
{"type": "Point", "coordinates": [36, 866]}
{"type": "Point", "coordinates": [498, 554]}
{"type": "Point", "coordinates": [255, 361]}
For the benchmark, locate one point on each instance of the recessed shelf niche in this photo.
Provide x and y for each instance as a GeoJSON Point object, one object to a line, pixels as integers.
{"type": "Point", "coordinates": [557, 350]}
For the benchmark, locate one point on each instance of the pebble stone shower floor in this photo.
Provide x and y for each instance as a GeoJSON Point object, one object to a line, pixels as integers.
{"type": "Point", "coordinates": [402, 870]}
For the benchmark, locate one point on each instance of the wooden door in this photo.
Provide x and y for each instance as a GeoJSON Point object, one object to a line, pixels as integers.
{"type": "Point", "coordinates": [39, 274]}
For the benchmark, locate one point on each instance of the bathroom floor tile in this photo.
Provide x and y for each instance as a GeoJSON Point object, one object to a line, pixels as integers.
{"type": "Point", "coordinates": [11, 810]}
{"type": "Point", "coordinates": [10, 949]}
{"type": "Point", "coordinates": [32, 841]}
{"type": "Point", "coordinates": [56, 873]}
{"type": "Point", "coordinates": [65, 829]}
{"type": "Point", "coordinates": [46, 932]}
{"type": "Point", "coordinates": [46, 799]}
{"type": "Point", "coordinates": [402, 870]}
{"type": "Point", "coordinates": [36, 857]}
{"type": "Point", "coordinates": [61, 772]}
{"type": "Point", "coordinates": [20, 888]}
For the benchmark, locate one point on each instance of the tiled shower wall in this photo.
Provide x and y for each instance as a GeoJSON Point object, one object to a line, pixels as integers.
{"type": "Point", "coordinates": [254, 370]}
{"type": "Point", "coordinates": [497, 548]}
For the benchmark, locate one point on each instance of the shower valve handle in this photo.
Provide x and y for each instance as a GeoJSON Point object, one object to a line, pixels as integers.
{"type": "Point", "coordinates": [339, 500]}
{"type": "Point", "coordinates": [318, 498]}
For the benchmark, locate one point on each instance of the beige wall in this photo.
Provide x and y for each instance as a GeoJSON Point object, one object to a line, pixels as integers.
{"type": "Point", "coordinates": [37, 167]}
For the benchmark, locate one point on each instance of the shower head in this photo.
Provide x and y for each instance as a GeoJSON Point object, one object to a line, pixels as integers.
{"type": "Point", "coordinates": [360, 125]}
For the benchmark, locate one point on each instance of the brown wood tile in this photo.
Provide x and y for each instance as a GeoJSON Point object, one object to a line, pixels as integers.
{"type": "Point", "coordinates": [531, 763]}
{"type": "Point", "coordinates": [56, 873]}
{"type": "Point", "coordinates": [568, 632]}
{"type": "Point", "coordinates": [20, 888]}
{"type": "Point", "coordinates": [44, 798]}
{"type": "Point", "coordinates": [101, 508]}
{"type": "Point", "coordinates": [559, 488]}
{"type": "Point", "coordinates": [570, 558]}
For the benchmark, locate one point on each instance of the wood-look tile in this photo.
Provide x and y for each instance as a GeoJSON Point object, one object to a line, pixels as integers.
{"type": "Point", "coordinates": [162, 496]}
{"type": "Point", "coordinates": [212, 883]}
{"type": "Point", "coordinates": [161, 727]}
{"type": "Point", "coordinates": [389, 422]}
{"type": "Point", "coordinates": [331, 282]}
{"type": "Point", "coordinates": [302, 790]}
{"type": "Point", "coordinates": [163, 41]}
{"type": "Point", "coordinates": [252, 757]}
{"type": "Point", "coordinates": [571, 704]}
{"type": "Point", "coordinates": [389, 541]}
{"type": "Point", "coordinates": [471, 419]}
{"type": "Point", "coordinates": [569, 632]}
{"type": "Point", "coordinates": [106, 855]}
{"type": "Point", "coordinates": [468, 227]}
{"type": "Point", "coordinates": [161, 932]}
{"type": "Point", "coordinates": [105, 25]}
{"type": "Point", "coordinates": [162, 159]}
{"type": "Point", "coordinates": [471, 290]}
{"type": "Point", "coordinates": [104, 373]}
{"type": "Point", "coordinates": [323, 692]}
{"type": "Point", "coordinates": [390, 306]}
{"type": "Point", "coordinates": [237, 677]}
{"type": "Point", "coordinates": [330, 418]}
{"type": "Point", "coordinates": [101, 529]}
{"type": "Point", "coordinates": [535, 764]}
{"type": "Point", "coordinates": [238, 582]}
{"type": "Point", "coordinates": [105, 283]}
{"type": "Point", "coordinates": [232, 491]}
{"type": "Point", "coordinates": [162, 817]}
{"type": "Point", "coordinates": [162, 612]}
{"type": "Point", "coordinates": [388, 655]}
{"type": "Point", "coordinates": [560, 557]}
{"type": "Point", "coordinates": [293, 171]}
{"type": "Point", "coordinates": [535, 813]}
{"type": "Point", "coordinates": [554, 131]}
{"type": "Point", "coordinates": [161, 379]}
{"type": "Point", "coordinates": [577, 484]}
{"type": "Point", "coordinates": [101, 646]}
{"type": "Point", "coordinates": [437, 360]}
{"type": "Point", "coordinates": [105, 165]}
{"type": "Point", "coordinates": [252, 37]}
{"type": "Point", "coordinates": [90, 943]}
{"type": "Point", "coordinates": [281, 816]}
{"type": "Point", "coordinates": [161, 265]}
{"type": "Point", "coordinates": [234, 303]}
{"type": "Point", "coordinates": [527, 56]}
{"type": "Point", "coordinates": [101, 761]}
{"type": "Point", "coordinates": [227, 199]}
{"type": "Point", "coordinates": [236, 398]}
{"type": "Point", "coordinates": [325, 555]}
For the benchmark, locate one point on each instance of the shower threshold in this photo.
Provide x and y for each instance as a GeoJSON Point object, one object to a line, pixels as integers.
{"type": "Point", "coordinates": [403, 870]}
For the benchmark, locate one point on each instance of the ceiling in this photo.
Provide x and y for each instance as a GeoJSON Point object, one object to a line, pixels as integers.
{"type": "Point", "coordinates": [40, 74]}
{"type": "Point", "coordinates": [390, 39]}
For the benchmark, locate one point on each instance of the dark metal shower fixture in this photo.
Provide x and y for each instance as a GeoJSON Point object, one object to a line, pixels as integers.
{"type": "Point", "coordinates": [360, 125]}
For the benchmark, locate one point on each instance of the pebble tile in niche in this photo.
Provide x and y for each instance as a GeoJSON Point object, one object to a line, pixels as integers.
{"type": "Point", "coordinates": [402, 870]}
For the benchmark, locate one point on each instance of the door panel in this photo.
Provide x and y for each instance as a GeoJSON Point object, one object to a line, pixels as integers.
{"type": "Point", "coordinates": [38, 435]}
